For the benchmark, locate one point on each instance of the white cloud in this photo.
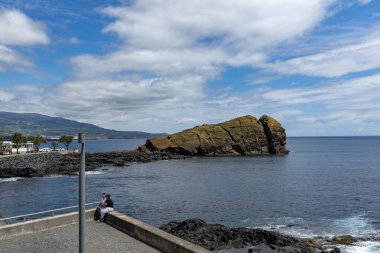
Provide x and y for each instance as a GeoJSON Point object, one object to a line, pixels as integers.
{"type": "Point", "coordinates": [121, 102]}
{"type": "Point", "coordinates": [5, 96]}
{"type": "Point", "coordinates": [170, 49]}
{"type": "Point", "coordinates": [350, 92]}
{"type": "Point", "coordinates": [73, 40]}
{"type": "Point", "coordinates": [9, 59]}
{"type": "Point", "coordinates": [175, 37]}
{"type": "Point", "coordinates": [18, 29]}
{"type": "Point", "coordinates": [364, 1]}
{"type": "Point", "coordinates": [354, 100]}
{"type": "Point", "coordinates": [335, 62]}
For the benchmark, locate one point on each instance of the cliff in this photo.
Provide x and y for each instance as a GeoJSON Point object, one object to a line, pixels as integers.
{"type": "Point", "coordinates": [241, 136]}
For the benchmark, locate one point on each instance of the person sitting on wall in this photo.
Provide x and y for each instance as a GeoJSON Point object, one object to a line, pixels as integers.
{"type": "Point", "coordinates": [107, 208]}
{"type": "Point", "coordinates": [102, 204]}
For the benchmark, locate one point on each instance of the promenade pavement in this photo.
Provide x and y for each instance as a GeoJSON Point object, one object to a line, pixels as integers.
{"type": "Point", "coordinates": [100, 238]}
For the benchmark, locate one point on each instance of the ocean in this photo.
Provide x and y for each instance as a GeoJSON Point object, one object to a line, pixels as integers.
{"type": "Point", "coordinates": [325, 187]}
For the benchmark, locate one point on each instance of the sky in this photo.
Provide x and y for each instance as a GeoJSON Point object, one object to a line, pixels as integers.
{"type": "Point", "coordinates": [166, 65]}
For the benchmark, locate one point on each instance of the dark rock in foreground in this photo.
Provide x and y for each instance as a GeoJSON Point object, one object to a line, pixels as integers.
{"type": "Point", "coordinates": [42, 164]}
{"type": "Point", "coordinates": [218, 237]}
{"type": "Point", "coordinates": [241, 136]}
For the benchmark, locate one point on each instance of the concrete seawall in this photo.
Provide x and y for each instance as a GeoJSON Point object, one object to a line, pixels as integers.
{"type": "Point", "coordinates": [147, 234]}
{"type": "Point", "coordinates": [152, 236]}
{"type": "Point", "coordinates": [37, 225]}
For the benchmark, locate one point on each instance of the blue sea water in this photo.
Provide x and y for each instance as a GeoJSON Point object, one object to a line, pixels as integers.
{"type": "Point", "coordinates": [326, 186]}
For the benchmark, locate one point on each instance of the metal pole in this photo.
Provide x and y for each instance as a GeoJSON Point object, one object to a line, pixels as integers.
{"type": "Point", "coordinates": [82, 201]}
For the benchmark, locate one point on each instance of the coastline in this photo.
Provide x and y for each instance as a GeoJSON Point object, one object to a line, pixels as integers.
{"type": "Point", "coordinates": [44, 164]}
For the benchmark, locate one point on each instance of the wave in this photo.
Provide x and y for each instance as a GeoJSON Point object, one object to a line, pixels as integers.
{"type": "Point", "coordinates": [94, 172]}
{"type": "Point", "coordinates": [10, 179]}
{"type": "Point", "coordinates": [357, 226]}
{"type": "Point", "coordinates": [362, 247]}
{"type": "Point", "coordinates": [56, 175]}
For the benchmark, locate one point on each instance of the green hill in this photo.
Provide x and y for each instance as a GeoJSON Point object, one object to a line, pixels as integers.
{"type": "Point", "coordinates": [32, 124]}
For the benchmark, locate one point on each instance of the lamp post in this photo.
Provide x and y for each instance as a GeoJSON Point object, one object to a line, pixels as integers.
{"type": "Point", "coordinates": [82, 210]}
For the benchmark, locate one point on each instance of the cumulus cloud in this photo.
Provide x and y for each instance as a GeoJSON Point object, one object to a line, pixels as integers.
{"type": "Point", "coordinates": [9, 59]}
{"type": "Point", "coordinates": [169, 50]}
{"type": "Point", "coordinates": [343, 101]}
{"type": "Point", "coordinates": [16, 29]}
{"type": "Point", "coordinates": [200, 36]}
{"type": "Point", "coordinates": [156, 78]}
{"type": "Point", "coordinates": [335, 62]}
{"type": "Point", "coordinates": [5, 96]}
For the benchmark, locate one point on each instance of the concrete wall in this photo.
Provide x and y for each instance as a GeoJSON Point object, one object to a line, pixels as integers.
{"type": "Point", "coordinates": [139, 230]}
{"type": "Point", "coordinates": [42, 224]}
{"type": "Point", "coordinates": [152, 236]}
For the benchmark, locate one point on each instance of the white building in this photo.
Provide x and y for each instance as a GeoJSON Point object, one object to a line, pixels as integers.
{"type": "Point", "coordinates": [8, 147]}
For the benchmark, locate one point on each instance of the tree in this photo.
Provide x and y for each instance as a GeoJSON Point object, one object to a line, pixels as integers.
{"type": "Point", "coordinates": [18, 140]}
{"type": "Point", "coordinates": [37, 141]}
{"type": "Point", "coordinates": [66, 140]}
{"type": "Point", "coordinates": [54, 145]}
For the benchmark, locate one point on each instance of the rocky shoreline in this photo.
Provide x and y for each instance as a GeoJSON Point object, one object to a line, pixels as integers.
{"type": "Point", "coordinates": [43, 164]}
{"type": "Point", "coordinates": [219, 238]}
{"type": "Point", "coordinates": [245, 135]}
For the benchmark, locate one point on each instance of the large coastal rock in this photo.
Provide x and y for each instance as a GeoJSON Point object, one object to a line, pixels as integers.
{"type": "Point", "coordinates": [241, 136]}
{"type": "Point", "coordinates": [218, 237]}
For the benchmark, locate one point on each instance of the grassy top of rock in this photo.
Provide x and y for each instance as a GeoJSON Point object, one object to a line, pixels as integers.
{"type": "Point", "coordinates": [240, 136]}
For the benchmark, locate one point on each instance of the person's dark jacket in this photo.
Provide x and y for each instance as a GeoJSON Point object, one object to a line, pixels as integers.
{"type": "Point", "coordinates": [109, 202]}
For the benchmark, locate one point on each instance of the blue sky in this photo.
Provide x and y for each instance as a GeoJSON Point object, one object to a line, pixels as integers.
{"type": "Point", "coordinates": [162, 66]}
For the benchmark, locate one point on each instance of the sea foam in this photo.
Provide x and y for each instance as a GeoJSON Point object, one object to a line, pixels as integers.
{"type": "Point", "coordinates": [11, 179]}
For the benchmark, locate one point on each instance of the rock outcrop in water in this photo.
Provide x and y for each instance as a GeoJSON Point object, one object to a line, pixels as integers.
{"type": "Point", "coordinates": [218, 237]}
{"type": "Point", "coordinates": [241, 136]}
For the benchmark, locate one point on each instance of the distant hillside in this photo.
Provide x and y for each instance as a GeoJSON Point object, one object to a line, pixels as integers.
{"type": "Point", "coordinates": [32, 124]}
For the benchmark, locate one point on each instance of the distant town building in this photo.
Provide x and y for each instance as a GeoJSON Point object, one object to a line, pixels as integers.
{"type": "Point", "coordinates": [8, 147]}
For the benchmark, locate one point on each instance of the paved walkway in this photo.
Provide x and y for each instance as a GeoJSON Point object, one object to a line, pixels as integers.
{"type": "Point", "coordinates": [100, 238]}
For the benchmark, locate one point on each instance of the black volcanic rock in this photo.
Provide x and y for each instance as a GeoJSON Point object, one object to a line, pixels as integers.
{"type": "Point", "coordinates": [218, 237]}
{"type": "Point", "coordinates": [42, 164]}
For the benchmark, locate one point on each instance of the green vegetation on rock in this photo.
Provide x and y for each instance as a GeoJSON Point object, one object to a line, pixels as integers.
{"type": "Point", "coordinates": [344, 239]}
{"type": "Point", "coordinates": [241, 136]}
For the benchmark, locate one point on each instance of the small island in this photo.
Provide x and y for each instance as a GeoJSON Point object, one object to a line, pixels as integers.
{"type": "Point", "coordinates": [244, 135]}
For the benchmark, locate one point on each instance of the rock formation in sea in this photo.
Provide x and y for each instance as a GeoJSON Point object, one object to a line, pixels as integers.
{"type": "Point", "coordinates": [241, 136]}
{"type": "Point", "coordinates": [245, 135]}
